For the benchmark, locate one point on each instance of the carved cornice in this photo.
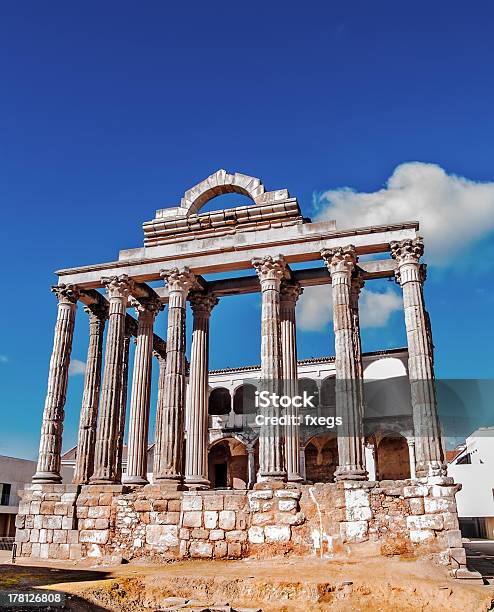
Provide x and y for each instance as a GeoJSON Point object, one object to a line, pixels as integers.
{"type": "Point", "coordinates": [66, 294]}
{"type": "Point", "coordinates": [340, 259]}
{"type": "Point", "coordinates": [179, 279]}
{"type": "Point", "coordinates": [202, 303]}
{"type": "Point", "coordinates": [271, 268]}
{"type": "Point", "coordinates": [407, 251]}
{"type": "Point", "coordinates": [118, 286]}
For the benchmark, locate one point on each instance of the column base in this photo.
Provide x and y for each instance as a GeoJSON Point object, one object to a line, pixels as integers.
{"type": "Point", "coordinates": [169, 482]}
{"type": "Point", "coordinates": [350, 472]}
{"type": "Point", "coordinates": [295, 478]}
{"type": "Point", "coordinates": [197, 483]}
{"type": "Point", "coordinates": [46, 478]}
{"type": "Point", "coordinates": [134, 480]}
{"type": "Point", "coordinates": [103, 481]}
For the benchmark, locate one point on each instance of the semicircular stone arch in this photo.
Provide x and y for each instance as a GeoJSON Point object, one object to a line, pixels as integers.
{"type": "Point", "coordinates": [219, 183]}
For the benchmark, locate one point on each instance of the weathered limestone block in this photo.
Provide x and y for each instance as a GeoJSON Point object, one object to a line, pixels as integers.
{"type": "Point", "coordinates": [262, 518]}
{"type": "Point", "coordinates": [213, 502]}
{"type": "Point", "coordinates": [354, 531]}
{"type": "Point", "coordinates": [52, 522]}
{"type": "Point", "coordinates": [421, 536]}
{"type": "Point", "coordinates": [94, 536]}
{"type": "Point", "coordinates": [454, 538]}
{"type": "Point", "coordinates": [416, 491]}
{"type": "Point", "coordinates": [234, 550]}
{"type": "Point", "coordinates": [416, 505]}
{"type": "Point", "coordinates": [277, 533]}
{"type": "Point", "coordinates": [198, 533]}
{"type": "Point", "coordinates": [256, 535]}
{"type": "Point", "coordinates": [426, 521]}
{"type": "Point", "coordinates": [210, 519]}
{"type": "Point", "coordinates": [216, 534]}
{"type": "Point", "coordinates": [99, 512]}
{"type": "Point", "coordinates": [290, 519]}
{"type": "Point", "coordinates": [286, 505]}
{"type": "Point", "coordinates": [439, 504]}
{"type": "Point", "coordinates": [162, 535]}
{"type": "Point", "coordinates": [202, 550]}
{"type": "Point", "coordinates": [192, 519]}
{"type": "Point", "coordinates": [227, 519]}
{"type": "Point", "coordinates": [234, 502]}
{"type": "Point", "coordinates": [191, 502]}
{"type": "Point", "coordinates": [261, 494]}
{"type": "Point", "coordinates": [220, 549]}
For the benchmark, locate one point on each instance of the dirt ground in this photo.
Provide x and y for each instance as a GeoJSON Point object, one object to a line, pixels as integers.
{"type": "Point", "coordinates": [366, 584]}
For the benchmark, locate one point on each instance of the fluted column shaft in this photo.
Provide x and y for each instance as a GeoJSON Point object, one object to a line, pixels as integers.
{"type": "Point", "coordinates": [106, 449]}
{"type": "Point", "coordinates": [411, 275]}
{"type": "Point", "coordinates": [170, 417]}
{"type": "Point", "coordinates": [271, 270]}
{"type": "Point", "coordinates": [84, 464]}
{"type": "Point", "coordinates": [341, 263]}
{"type": "Point", "coordinates": [141, 392]}
{"type": "Point", "coordinates": [288, 298]}
{"type": "Point", "coordinates": [124, 389]}
{"type": "Point", "coordinates": [196, 460]}
{"type": "Point", "coordinates": [50, 447]}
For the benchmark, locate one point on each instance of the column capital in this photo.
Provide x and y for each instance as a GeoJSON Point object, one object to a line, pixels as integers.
{"type": "Point", "coordinates": [160, 356]}
{"type": "Point", "coordinates": [66, 294]}
{"type": "Point", "coordinates": [202, 303]}
{"type": "Point", "coordinates": [97, 312]}
{"type": "Point", "coordinates": [411, 442]}
{"type": "Point", "coordinates": [118, 286]}
{"type": "Point", "coordinates": [271, 268]}
{"type": "Point", "coordinates": [151, 305]}
{"type": "Point", "coordinates": [340, 259]}
{"type": "Point", "coordinates": [408, 251]}
{"type": "Point", "coordinates": [179, 279]}
{"type": "Point", "coordinates": [290, 292]}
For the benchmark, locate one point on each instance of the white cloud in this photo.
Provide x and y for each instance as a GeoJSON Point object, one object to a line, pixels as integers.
{"type": "Point", "coordinates": [376, 308]}
{"type": "Point", "coordinates": [77, 367]}
{"type": "Point", "coordinates": [315, 308]}
{"type": "Point", "coordinates": [4, 359]}
{"type": "Point", "coordinates": [454, 212]}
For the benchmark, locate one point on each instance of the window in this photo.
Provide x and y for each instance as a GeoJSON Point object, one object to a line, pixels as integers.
{"type": "Point", "coordinates": [5, 499]}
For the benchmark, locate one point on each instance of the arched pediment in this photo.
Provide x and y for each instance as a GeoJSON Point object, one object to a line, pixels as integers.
{"type": "Point", "coordinates": [217, 184]}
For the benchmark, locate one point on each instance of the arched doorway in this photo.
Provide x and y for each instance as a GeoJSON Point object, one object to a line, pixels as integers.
{"type": "Point", "coordinates": [393, 459]}
{"type": "Point", "coordinates": [321, 459]}
{"type": "Point", "coordinates": [228, 464]}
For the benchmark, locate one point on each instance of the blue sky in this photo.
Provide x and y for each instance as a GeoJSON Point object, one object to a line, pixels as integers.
{"type": "Point", "coordinates": [109, 111]}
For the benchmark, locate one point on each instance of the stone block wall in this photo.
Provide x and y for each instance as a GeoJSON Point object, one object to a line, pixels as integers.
{"type": "Point", "coordinates": [70, 522]}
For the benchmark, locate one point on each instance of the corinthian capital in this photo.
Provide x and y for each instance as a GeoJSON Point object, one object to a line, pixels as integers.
{"type": "Point", "coordinates": [179, 279]}
{"type": "Point", "coordinates": [271, 268]}
{"type": "Point", "coordinates": [66, 294]}
{"type": "Point", "coordinates": [407, 251]}
{"type": "Point", "coordinates": [151, 305]}
{"type": "Point", "coordinates": [118, 286]}
{"type": "Point", "coordinates": [290, 292]}
{"type": "Point", "coordinates": [340, 259]}
{"type": "Point", "coordinates": [97, 312]}
{"type": "Point", "coordinates": [202, 303]}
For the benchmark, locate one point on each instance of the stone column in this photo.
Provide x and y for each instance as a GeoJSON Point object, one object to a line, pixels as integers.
{"type": "Point", "coordinates": [288, 298]}
{"type": "Point", "coordinates": [370, 460]}
{"type": "Point", "coordinates": [303, 471]}
{"type": "Point", "coordinates": [170, 417]}
{"type": "Point", "coordinates": [84, 465]}
{"type": "Point", "coordinates": [106, 449]}
{"type": "Point", "coordinates": [124, 386]}
{"type": "Point", "coordinates": [410, 275]}
{"type": "Point", "coordinates": [161, 357]}
{"type": "Point", "coordinates": [411, 456]}
{"type": "Point", "coordinates": [271, 270]}
{"type": "Point", "coordinates": [196, 456]}
{"type": "Point", "coordinates": [146, 309]}
{"type": "Point", "coordinates": [50, 445]}
{"type": "Point", "coordinates": [251, 466]}
{"type": "Point", "coordinates": [341, 263]}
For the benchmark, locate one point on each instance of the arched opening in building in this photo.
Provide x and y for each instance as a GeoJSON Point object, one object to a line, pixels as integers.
{"type": "Point", "coordinates": [228, 464]}
{"type": "Point", "coordinates": [392, 458]}
{"type": "Point", "coordinates": [309, 386]}
{"type": "Point", "coordinates": [328, 396]}
{"type": "Point", "coordinates": [321, 459]}
{"type": "Point", "coordinates": [244, 399]}
{"type": "Point", "coordinates": [219, 401]}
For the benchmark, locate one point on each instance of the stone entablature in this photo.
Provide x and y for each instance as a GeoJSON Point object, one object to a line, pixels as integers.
{"type": "Point", "coordinates": [70, 522]}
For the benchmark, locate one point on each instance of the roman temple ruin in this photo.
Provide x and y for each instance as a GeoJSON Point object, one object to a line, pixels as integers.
{"type": "Point", "coordinates": [298, 493]}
